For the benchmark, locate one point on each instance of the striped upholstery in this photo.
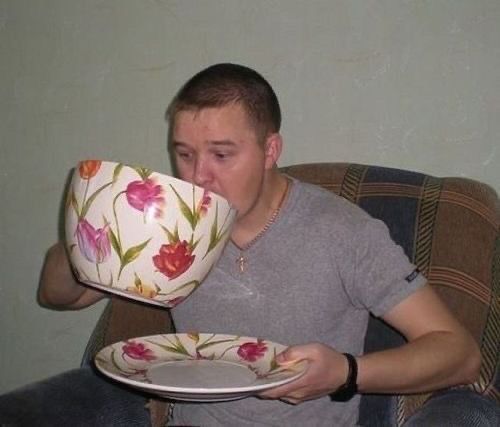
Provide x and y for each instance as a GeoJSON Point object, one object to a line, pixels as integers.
{"type": "Point", "coordinates": [450, 228]}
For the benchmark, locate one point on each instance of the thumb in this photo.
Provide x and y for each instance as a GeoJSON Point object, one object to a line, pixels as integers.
{"type": "Point", "coordinates": [289, 356]}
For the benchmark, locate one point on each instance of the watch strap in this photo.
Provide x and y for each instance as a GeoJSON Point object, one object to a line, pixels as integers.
{"type": "Point", "coordinates": [346, 391]}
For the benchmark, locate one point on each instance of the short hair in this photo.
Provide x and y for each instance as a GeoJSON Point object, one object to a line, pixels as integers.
{"type": "Point", "coordinates": [223, 84]}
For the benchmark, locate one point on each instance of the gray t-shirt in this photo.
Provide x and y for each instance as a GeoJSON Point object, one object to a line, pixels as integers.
{"type": "Point", "coordinates": [313, 276]}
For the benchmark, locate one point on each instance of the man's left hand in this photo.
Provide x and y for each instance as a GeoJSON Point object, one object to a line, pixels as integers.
{"type": "Point", "coordinates": [326, 372]}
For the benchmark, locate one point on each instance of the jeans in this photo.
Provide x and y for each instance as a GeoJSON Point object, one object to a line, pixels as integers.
{"type": "Point", "coordinates": [77, 398]}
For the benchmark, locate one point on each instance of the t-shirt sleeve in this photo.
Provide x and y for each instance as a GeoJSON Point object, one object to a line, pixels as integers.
{"type": "Point", "coordinates": [382, 276]}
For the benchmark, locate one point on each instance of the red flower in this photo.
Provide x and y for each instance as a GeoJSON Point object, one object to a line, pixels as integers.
{"type": "Point", "coordinates": [138, 351]}
{"type": "Point", "coordinates": [174, 259]}
{"type": "Point", "coordinates": [145, 196]}
{"type": "Point", "coordinates": [88, 168]}
{"type": "Point", "coordinates": [251, 351]}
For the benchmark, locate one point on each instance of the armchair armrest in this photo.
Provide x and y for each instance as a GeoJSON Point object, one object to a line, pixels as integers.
{"type": "Point", "coordinates": [458, 408]}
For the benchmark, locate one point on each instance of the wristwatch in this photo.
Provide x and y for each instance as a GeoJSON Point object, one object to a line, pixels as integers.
{"type": "Point", "coordinates": [346, 391]}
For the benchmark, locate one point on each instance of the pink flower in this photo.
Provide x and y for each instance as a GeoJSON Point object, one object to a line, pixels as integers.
{"type": "Point", "coordinates": [94, 244]}
{"type": "Point", "coordinates": [251, 351]}
{"type": "Point", "coordinates": [138, 351]}
{"type": "Point", "coordinates": [145, 196]}
{"type": "Point", "coordinates": [174, 259]}
{"type": "Point", "coordinates": [204, 204]}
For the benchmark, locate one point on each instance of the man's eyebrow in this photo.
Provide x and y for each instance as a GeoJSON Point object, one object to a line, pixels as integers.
{"type": "Point", "coordinates": [176, 144]}
{"type": "Point", "coordinates": [216, 143]}
{"type": "Point", "coordinates": [222, 142]}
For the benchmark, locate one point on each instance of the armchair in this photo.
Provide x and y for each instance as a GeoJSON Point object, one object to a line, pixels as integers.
{"type": "Point", "coordinates": [450, 228]}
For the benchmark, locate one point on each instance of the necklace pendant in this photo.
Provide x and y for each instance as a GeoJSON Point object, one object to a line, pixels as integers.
{"type": "Point", "coordinates": [242, 263]}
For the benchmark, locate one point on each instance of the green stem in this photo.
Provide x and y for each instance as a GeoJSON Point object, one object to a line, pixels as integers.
{"type": "Point", "coordinates": [190, 283]}
{"type": "Point", "coordinates": [116, 221]}
{"type": "Point", "coordinates": [226, 350]}
{"type": "Point", "coordinates": [224, 223]}
{"type": "Point", "coordinates": [84, 197]}
{"type": "Point", "coordinates": [195, 213]}
{"type": "Point", "coordinates": [98, 272]}
{"type": "Point", "coordinates": [120, 271]}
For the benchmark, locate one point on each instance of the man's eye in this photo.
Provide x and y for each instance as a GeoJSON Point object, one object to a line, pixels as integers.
{"type": "Point", "coordinates": [221, 156]}
{"type": "Point", "coordinates": [183, 155]}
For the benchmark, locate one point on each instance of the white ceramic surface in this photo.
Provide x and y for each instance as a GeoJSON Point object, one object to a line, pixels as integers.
{"type": "Point", "coordinates": [198, 367]}
{"type": "Point", "coordinates": [142, 234]}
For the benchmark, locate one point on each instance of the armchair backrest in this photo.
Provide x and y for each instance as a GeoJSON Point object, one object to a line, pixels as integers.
{"type": "Point", "coordinates": [450, 228]}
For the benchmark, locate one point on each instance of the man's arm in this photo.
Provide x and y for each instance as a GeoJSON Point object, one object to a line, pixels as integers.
{"type": "Point", "coordinates": [59, 288]}
{"type": "Point", "coordinates": [439, 353]}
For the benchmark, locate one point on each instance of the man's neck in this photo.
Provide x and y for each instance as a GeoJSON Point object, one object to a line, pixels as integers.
{"type": "Point", "coordinates": [272, 198]}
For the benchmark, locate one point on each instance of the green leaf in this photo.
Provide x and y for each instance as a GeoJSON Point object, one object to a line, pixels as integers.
{"type": "Point", "coordinates": [176, 347]}
{"type": "Point", "coordinates": [194, 283]}
{"type": "Point", "coordinates": [274, 365]}
{"type": "Point", "coordinates": [87, 204]}
{"type": "Point", "coordinates": [185, 209]}
{"type": "Point", "coordinates": [110, 283]}
{"type": "Point", "coordinates": [137, 280]}
{"type": "Point", "coordinates": [117, 171]}
{"type": "Point", "coordinates": [114, 243]}
{"type": "Point", "coordinates": [113, 361]}
{"type": "Point", "coordinates": [213, 232]}
{"type": "Point", "coordinates": [143, 172]}
{"type": "Point", "coordinates": [74, 202]}
{"type": "Point", "coordinates": [171, 349]}
{"type": "Point", "coordinates": [209, 344]}
{"type": "Point", "coordinates": [171, 236]}
{"type": "Point", "coordinates": [194, 244]}
{"type": "Point", "coordinates": [133, 252]}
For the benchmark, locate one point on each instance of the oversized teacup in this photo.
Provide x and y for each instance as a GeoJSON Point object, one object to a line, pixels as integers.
{"type": "Point", "coordinates": [142, 234]}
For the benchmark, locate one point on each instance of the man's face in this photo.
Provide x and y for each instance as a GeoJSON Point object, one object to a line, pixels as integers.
{"type": "Point", "coordinates": [217, 149]}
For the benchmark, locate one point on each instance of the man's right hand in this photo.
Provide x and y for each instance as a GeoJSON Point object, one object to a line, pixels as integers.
{"type": "Point", "coordinates": [58, 286]}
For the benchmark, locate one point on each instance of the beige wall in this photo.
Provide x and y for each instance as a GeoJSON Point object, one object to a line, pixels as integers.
{"type": "Point", "coordinates": [411, 84]}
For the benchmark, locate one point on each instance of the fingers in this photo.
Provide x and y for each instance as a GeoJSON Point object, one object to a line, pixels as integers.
{"type": "Point", "coordinates": [291, 400]}
{"type": "Point", "coordinates": [322, 376]}
{"type": "Point", "coordinates": [291, 356]}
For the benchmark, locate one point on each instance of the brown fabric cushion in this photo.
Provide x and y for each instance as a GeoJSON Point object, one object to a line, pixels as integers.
{"type": "Point", "coordinates": [123, 319]}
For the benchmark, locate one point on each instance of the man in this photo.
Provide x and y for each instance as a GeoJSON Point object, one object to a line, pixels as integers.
{"type": "Point", "coordinates": [303, 268]}
{"type": "Point", "coordinates": [281, 277]}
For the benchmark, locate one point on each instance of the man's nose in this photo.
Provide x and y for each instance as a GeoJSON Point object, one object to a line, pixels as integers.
{"type": "Point", "coordinates": [201, 173]}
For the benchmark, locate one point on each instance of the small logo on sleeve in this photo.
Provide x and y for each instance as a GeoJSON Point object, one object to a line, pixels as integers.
{"type": "Point", "coordinates": [412, 276]}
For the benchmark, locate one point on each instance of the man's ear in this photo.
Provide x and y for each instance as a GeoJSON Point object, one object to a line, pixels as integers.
{"type": "Point", "coordinates": [272, 149]}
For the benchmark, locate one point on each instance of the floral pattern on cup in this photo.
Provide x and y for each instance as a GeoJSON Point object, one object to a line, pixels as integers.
{"type": "Point", "coordinates": [94, 243]}
{"type": "Point", "coordinates": [88, 168]}
{"type": "Point", "coordinates": [146, 196]}
{"type": "Point", "coordinates": [148, 236]}
{"type": "Point", "coordinates": [173, 259]}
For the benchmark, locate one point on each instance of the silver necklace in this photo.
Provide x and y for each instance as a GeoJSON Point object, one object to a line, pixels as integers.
{"type": "Point", "coordinates": [242, 260]}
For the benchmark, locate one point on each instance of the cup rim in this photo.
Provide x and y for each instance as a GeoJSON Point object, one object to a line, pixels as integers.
{"type": "Point", "coordinates": [160, 174]}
